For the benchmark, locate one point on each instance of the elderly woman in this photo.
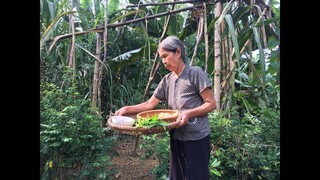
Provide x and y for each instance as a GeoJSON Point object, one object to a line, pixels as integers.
{"type": "Point", "coordinates": [188, 89]}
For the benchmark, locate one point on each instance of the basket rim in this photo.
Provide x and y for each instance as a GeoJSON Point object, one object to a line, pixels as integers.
{"type": "Point", "coordinates": [142, 130]}
{"type": "Point", "coordinates": [161, 111]}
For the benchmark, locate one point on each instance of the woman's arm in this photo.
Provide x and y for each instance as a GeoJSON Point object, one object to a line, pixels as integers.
{"type": "Point", "coordinates": [134, 109]}
{"type": "Point", "coordinates": [208, 106]}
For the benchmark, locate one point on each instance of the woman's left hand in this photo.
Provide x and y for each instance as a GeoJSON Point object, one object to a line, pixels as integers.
{"type": "Point", "coordinates": [183, 118]}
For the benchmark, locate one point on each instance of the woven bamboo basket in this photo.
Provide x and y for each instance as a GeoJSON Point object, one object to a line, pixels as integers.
{"type": "Point", "coordinates": [167, 115]}
{"type": "Point", "coordinates": [142, 130]}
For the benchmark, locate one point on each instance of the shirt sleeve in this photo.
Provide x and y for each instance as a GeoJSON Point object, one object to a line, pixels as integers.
{"type": "Point", "coordinates": [159, 92]}
{"type": "Point", "coordinates": [199, 78]}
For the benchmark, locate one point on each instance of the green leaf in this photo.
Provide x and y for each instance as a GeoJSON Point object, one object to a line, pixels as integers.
{"type": "Point", "coordinates": [216, 172]}
{"type": "Point", "coordinates": [126, 56]}
{"type": "Point", "coordinates": [50, 28]}
{"type": "Point", "coordinates": [233, 36]}
{"type": "Point", "coordinates": [113, 5]}
{"type": "Point", "coordinates": [56, 144]}
{"type": "Point", "coordinates": [66, 139]}
{"type": "Point", "coordinates": [117, 18]}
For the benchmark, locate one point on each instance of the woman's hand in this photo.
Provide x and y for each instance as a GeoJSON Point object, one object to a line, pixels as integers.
{"type": "Point", "coordinates": [121, 111]}
{"type": "Point", "coordinates": [183, 118]}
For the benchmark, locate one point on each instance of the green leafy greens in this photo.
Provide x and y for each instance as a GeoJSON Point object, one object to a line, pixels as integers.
{"type": "Point", "coordinates": [150, 122]}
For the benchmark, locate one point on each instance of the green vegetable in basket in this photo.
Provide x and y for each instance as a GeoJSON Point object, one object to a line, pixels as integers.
{"type": "Point", "coordinates": [150, 122]}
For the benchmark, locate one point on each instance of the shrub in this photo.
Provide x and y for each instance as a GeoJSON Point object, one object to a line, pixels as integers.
{"type": "Point", "coordinates": [72, 142]}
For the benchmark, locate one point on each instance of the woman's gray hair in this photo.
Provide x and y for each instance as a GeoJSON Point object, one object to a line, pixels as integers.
{"type": "Point", "coordinates": [172, 43]}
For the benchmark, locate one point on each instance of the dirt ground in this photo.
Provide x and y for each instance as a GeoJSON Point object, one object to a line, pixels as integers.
{"type": "Point", "coordinates": [128, 164]}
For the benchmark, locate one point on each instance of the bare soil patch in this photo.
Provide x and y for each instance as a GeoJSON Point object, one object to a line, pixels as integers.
{"type": "Point", "coordinates": [130, 165]}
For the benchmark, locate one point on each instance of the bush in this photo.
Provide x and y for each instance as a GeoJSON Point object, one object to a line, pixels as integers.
{"type": "Point", "coordinates": [72, 142]}
{"type": "Point", "coordinates": [248, 146]}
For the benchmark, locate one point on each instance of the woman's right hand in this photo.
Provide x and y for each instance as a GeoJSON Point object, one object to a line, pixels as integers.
{"type": "Point", "coordinates": [121, 111]}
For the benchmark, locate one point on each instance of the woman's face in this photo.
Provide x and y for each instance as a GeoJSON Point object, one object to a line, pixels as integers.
{"type": "Point", "coordinates": [169, 58]}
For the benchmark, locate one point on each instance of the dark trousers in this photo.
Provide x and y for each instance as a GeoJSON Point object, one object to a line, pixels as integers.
{"type": "Point", "coordinates": [189, 160]}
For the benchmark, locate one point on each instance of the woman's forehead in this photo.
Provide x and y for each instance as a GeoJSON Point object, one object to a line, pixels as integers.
{"type": "Point", "coordinates": [163, 51]}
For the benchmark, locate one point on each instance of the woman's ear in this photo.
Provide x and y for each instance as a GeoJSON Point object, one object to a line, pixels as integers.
{"type": "Point", "coordinates": [178, 52]}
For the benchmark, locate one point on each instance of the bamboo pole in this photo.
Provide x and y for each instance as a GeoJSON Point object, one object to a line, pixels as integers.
{"type": "Point", "coordinates": [217, 55]}
{"type": "Point", "coordinates": [156, 63]}
{"type": "Point", "coordinates": [165, 3]}
{"type": "Point", "coordinates": [71, 48]}
{"type": "Point", "coordinates": [223, 84]}
{"type": "Point", "coordinates": [199, 35]}
{"type": "Point", "coordinates": [105, 39]}
{"type": "Point", "coordinates": [101, 29]}
{"type": "Point", "coordinates": [96, 74]}
{"type": "Point", "coordinates": [205, 32]}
